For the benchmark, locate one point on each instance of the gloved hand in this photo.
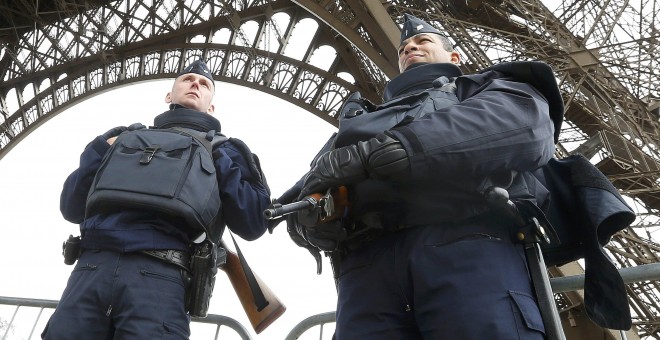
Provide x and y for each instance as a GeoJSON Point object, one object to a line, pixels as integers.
{"type": "Point", "coordinates": [114, 132]}
{"type": "Point", "coordinates": [296, 231]}
{"type": "Point", "coordinates": [380, 157]}
{"type": "Point", "coordinates": [298, 235]}
{"type": "Point", "coordinates": [325, 236]}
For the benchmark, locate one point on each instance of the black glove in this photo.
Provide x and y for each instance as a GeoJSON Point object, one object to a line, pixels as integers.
{"type": "Point", "coordinates": [114, 132]}
{"type": "Point", "coordinates": [380, 157]}
{"type": "Point", "coordinates": [296, 231]}
{"type": "Point", "coordinates": [298, 235]}
{"type": "Point", "coordinates": [326, 236]}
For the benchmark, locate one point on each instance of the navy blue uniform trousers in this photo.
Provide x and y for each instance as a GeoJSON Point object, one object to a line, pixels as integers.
{"type": "Point", "coordinates": [435, 282]}
{"type": "Point", "coordinates": [123, 296]}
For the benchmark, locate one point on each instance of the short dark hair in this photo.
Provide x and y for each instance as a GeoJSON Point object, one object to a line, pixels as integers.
{"type": "Point", "coordinates": [446, 43]}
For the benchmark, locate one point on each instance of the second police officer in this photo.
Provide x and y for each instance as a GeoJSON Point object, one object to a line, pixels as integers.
{"type": "Point", "coordinates": [422, 255]}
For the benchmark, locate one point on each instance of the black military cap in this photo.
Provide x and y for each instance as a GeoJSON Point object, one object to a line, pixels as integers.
{"type": "Point", "coordinates": [200, 68]}
{"type": "Point", "coordinates": [414, 25]}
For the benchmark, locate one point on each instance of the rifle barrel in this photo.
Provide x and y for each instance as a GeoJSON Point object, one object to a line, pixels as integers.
{"type": "Point", "coordinates": [276, 212]}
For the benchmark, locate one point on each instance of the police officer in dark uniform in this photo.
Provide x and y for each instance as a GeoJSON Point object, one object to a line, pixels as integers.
{"type": "Point", "coordinates": [129, 282]}
{"type": "Point", "coordinates": [422, 254]}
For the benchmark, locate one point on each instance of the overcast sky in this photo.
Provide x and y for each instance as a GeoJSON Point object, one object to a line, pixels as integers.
{"type": "Point", "coordinates": [31, 175]}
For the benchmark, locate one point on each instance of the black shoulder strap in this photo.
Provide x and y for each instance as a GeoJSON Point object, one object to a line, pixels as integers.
{"type": "Point", "coordinates": [253, 161]}
{"type": "Point", "coordinates": [208, 139]}
{"type": "Point", "coordinates": [136, 126]}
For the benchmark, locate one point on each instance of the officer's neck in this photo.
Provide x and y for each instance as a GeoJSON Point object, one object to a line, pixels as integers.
{"type": "Point", "coordinates": [417, 77]}
{"type": "Point", "coordinates": [181, 116]}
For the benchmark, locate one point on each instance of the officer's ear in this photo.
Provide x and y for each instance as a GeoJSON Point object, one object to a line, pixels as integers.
{"type": "Point", "coordinates": [168, 97]}
{"type": "Point", "coordinates": [455, 58]}
{"type": "Point", "coordinates": [211, 109]}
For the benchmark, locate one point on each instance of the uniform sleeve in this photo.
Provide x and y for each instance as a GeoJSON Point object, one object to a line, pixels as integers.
{"type": "Point", "coordinates": [77, 185]}
{"type": "Point", "coordinates": [499, 125]}
{"type": "Point", "coordinates": [244, 197]}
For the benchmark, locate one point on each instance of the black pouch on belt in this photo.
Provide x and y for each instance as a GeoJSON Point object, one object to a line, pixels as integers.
{"type": "Point", "coordinates": [71, 250]}
{"type": "Point", "coordinates": [203, 267]}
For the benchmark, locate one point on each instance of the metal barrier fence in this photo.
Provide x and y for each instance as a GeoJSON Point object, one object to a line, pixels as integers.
{"type": "Point", "coordinates": [41, 305]}
{"type": "Point", "coordinates": [310, 322]}
{"type": "Point", "coordinates": [639, 273]}
{"type": "Point", "coordinates": [647, 272]}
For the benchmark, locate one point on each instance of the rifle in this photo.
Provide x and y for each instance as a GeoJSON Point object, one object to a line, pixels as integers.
{"type": "Point", "coordinates": [314, 209]}
{"type": "Point", "coordinates": [260, 317]}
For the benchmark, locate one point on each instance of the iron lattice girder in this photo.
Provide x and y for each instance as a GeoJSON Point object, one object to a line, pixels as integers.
{"type": "Point", "coordinates": [79, 76]}
{"type": "Point", "coordinates": [533, 39]}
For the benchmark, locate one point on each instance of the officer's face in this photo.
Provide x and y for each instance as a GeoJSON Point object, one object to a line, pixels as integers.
{"type": "Point", "coordinates": [424, 48]}
{"type": "Point", "coordinates": [193, 91]}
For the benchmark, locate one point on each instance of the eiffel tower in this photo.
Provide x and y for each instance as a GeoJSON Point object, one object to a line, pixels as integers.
{"type": "Point", "coordinates": [56, 53]}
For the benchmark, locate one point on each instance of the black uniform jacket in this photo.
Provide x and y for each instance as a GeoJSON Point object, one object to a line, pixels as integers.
{"type": "Point", "coordinates": [463, 133]}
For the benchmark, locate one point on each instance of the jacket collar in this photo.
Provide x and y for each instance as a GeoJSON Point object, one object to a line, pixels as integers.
{"type": "Point", "coordinates": [419, 78]}
{"type": "Point", "coordinates": [181, 116]}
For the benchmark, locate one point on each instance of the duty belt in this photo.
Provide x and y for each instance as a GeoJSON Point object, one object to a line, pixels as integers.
{"type": "Point", "coordinates": [486, 223]}
{"type": "Point", "coordinates": [176, 257]}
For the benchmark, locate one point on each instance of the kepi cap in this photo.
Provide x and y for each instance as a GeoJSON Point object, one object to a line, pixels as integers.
{"type": "Point", "coordinates": [414, 25]}
{"type": "Point", "coordinates": [200, 68]}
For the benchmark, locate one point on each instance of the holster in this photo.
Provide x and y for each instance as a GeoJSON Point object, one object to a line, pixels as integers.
{"type": "Point", "coordinates": [206, 259]}
{"type": "Point", "coordinates": [71, 249]}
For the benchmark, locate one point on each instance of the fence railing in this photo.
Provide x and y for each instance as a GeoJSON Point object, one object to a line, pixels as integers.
{"type": "Point", "coordinates": [647, 272]}
{"type": "Point", "coordinates": [315, 320]}
{"type": "Point", "coordinates": [41, 305]}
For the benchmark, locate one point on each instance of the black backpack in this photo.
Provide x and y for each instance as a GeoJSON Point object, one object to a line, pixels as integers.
{"type": "Point", "coordinates": [169, 171]}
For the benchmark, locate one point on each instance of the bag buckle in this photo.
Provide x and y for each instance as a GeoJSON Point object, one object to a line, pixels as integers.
{"type": "Point", "coordinates": [148, 154]}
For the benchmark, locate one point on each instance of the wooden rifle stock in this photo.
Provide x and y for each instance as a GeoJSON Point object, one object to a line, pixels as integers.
{"type": "Point", "coordinates": [259, 319]}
